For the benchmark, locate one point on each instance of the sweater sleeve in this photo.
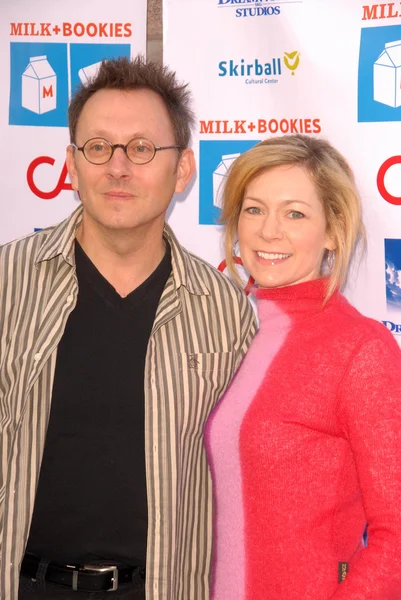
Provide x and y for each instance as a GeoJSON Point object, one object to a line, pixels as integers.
{"type": "Point", "coordinates": [369, 409]}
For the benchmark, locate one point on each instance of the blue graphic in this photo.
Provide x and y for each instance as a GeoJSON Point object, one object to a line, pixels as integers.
{"type": "Point", "coordinates": [85, 56]}
{"type": "Point", "coordinates": [38, 86]}
{"type": "Point", "coordinates": [215, 158]}
{"type": "Point", "coordinates": [379, 91]}
{"type": "Point", "coordinates": [392, 251]}
{"type": "Point", "coordinates": [42, 75]}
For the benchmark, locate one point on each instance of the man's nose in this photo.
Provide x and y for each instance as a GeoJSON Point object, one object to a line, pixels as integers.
{"type": "Point", "coordinates": [119, 165]}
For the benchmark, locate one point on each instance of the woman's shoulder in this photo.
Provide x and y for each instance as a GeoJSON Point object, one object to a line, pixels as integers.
{"type": "Point", "coordinates": [350, 323]}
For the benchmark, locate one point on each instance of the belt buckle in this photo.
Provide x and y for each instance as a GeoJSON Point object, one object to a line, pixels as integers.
{"type": "Point", "coordinates": [103, 569]}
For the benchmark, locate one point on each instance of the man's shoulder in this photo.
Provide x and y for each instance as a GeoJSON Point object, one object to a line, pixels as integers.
{"type": "Point", "coordinates": [211, 276]}
{"type": "Point", "coordinates": [20, 245]}
{"type": "Point", "coordinates": [43, 244]}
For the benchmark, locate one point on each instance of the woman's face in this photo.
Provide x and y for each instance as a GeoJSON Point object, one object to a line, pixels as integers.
{"type": "Point", "coordinates": [282, 228]}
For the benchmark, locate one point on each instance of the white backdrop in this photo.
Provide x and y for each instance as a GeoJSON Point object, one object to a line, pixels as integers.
{"type": "Point", "coordinates": [264, 67]}
{"type": "Point", "coordinates": [47, 47]}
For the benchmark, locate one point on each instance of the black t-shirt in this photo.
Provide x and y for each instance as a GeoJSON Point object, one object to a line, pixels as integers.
{"type": "Point", "coordinates": [91, 502]}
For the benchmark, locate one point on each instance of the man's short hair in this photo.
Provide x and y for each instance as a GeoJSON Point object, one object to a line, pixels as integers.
{"type": "Point", "coordinates": [124, 74]}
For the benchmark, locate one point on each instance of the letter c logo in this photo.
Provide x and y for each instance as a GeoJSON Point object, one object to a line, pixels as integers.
{"type": "Point", "coordinates": [237, 261]}
{"type": "Point", "coordinates": [393, 160]}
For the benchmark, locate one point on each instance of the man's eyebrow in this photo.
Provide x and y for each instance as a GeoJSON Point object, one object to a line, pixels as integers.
{"type": "Point", "coordinates": [106, 134]}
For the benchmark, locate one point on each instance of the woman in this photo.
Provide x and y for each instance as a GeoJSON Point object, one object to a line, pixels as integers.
{"type": "Point", "coordinates": [305, 446]}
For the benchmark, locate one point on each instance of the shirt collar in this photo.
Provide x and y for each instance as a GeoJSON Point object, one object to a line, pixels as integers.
{"type": "Point", "coordinates": [185, 267]}
{"type": "Point", "coordinates": [60, 241]}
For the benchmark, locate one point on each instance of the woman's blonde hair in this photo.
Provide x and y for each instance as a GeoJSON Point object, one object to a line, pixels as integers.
{"type": "Point", "coordinates": [334, 181]}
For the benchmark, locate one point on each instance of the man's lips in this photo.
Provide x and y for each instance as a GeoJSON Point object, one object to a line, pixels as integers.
{"type": "Point", "coordinates": [117, 194]}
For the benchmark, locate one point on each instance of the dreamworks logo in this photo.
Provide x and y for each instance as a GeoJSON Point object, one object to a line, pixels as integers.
{"type": "Point", "coordinates": [255, 8]}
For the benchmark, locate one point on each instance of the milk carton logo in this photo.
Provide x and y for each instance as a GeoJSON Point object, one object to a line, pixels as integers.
{"type": "Point", "coordinates": [379, 84]}
{"type": "Point", "coordinates": [43, 76]}
{"type": "Point", "coordinates": [86, 74]}
{"type": "Point", "coordinates": [215, 160]}
{"type": "Point", "coordinates": [220, 175]}
{"type": "Point", "coordinates": [387, 75]}
{"type": "Point", "coordinates": [39, 86]}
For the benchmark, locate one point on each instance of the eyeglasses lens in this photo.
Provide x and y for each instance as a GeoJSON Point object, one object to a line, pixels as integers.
{"type": "Point", "coordinates": [140, 150]}
{"type": "Point", "coordinates": [97, 151]}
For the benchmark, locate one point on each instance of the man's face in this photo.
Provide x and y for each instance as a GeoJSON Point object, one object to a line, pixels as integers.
{"type": "Point", "coordinates": [120, 195]}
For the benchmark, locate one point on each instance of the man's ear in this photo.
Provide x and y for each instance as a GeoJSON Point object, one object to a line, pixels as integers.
{"type": "Point", "coordinates": [71, 167]}
{"type": "Point", "coordinates": [185, 170]}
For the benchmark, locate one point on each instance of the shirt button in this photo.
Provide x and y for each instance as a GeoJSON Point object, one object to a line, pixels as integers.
{"type": "Point", "coordinates": [37, 356]}
{"type": "Point", "coordinates": [70, 299]}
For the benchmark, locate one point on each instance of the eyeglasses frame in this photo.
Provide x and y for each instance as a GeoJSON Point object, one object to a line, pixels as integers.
{"type": "Point", "coordinates": [124, 148]}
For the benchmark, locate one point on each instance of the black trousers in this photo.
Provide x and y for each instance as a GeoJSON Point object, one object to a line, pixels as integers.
{"type": "Point", "coordinates": [38, 590]}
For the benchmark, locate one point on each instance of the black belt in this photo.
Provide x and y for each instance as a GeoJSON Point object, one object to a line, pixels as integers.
{"type": "Point", "coordinates": [86, 578]}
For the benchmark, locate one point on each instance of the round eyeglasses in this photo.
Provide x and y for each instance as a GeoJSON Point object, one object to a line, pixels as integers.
{"type": "Point", "coordinates": [140, 151]}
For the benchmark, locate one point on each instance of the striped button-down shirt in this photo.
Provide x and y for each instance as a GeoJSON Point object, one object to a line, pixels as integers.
{"type": "Point", "coordinates": [203, 327]}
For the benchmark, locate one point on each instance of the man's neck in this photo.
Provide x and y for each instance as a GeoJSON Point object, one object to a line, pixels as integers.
{"type": "Point", "coordinates": [125, 258]}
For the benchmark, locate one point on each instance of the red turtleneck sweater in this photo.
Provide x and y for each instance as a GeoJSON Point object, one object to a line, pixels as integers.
{"type": "Point", "coordinates": [305, 449]}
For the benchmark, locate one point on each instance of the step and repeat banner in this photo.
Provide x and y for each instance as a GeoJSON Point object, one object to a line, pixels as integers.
{"type": "Point", "coordinates": [260, 68]}
{"type": "Point", "coordinates": [47, 48]}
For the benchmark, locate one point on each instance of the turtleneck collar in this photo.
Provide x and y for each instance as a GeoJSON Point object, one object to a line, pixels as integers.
{"type": "Point", "coordinates": [282, 306]}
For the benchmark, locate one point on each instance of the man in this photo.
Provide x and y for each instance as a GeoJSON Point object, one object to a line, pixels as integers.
{"type": "Point", "coordinates": [115, 343]}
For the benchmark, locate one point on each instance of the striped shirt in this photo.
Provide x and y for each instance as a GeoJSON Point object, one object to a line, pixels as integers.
{"type": "Point", "coordinates": [202, 329]}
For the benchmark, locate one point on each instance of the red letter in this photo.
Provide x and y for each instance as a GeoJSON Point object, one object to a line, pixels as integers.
{"type": "Point", "coordinates": [61, 184]}
{"type": "Point", "coordinates": [67, 30]}
{"type": "Point", "coordinates": [48, 92]}
{"type": "Point", "coordinates": [45, 29]}
{"type": "Point", "coordinates": [91, 29]}
{"type": "Point", "coordinates": [316, 125]}
{"type": "Point", "coordinates": [79, 29]}
{"type": "Point", "coordinates": [102, 30]}
{"type": "Point", "coordinates": [239, 126]}
{"type": "Point", "coordinates": [284, 126]}
{"type": "Point", "coordinates": [16, 29]}
{"type": "Point", "coordinates": [262, 126]}
{"type": "Point", "coordinates": [394, 160]}
{"type": "Point", "coordinates": [206, 126]}
{"type": "Point", "coordinates": [237, 261]}
{"type": "Point", "coordinates": [369, 12]}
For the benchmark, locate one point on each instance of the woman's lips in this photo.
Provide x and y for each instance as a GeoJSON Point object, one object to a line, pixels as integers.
{"type": "Point", "coordinates": [272, 258]}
